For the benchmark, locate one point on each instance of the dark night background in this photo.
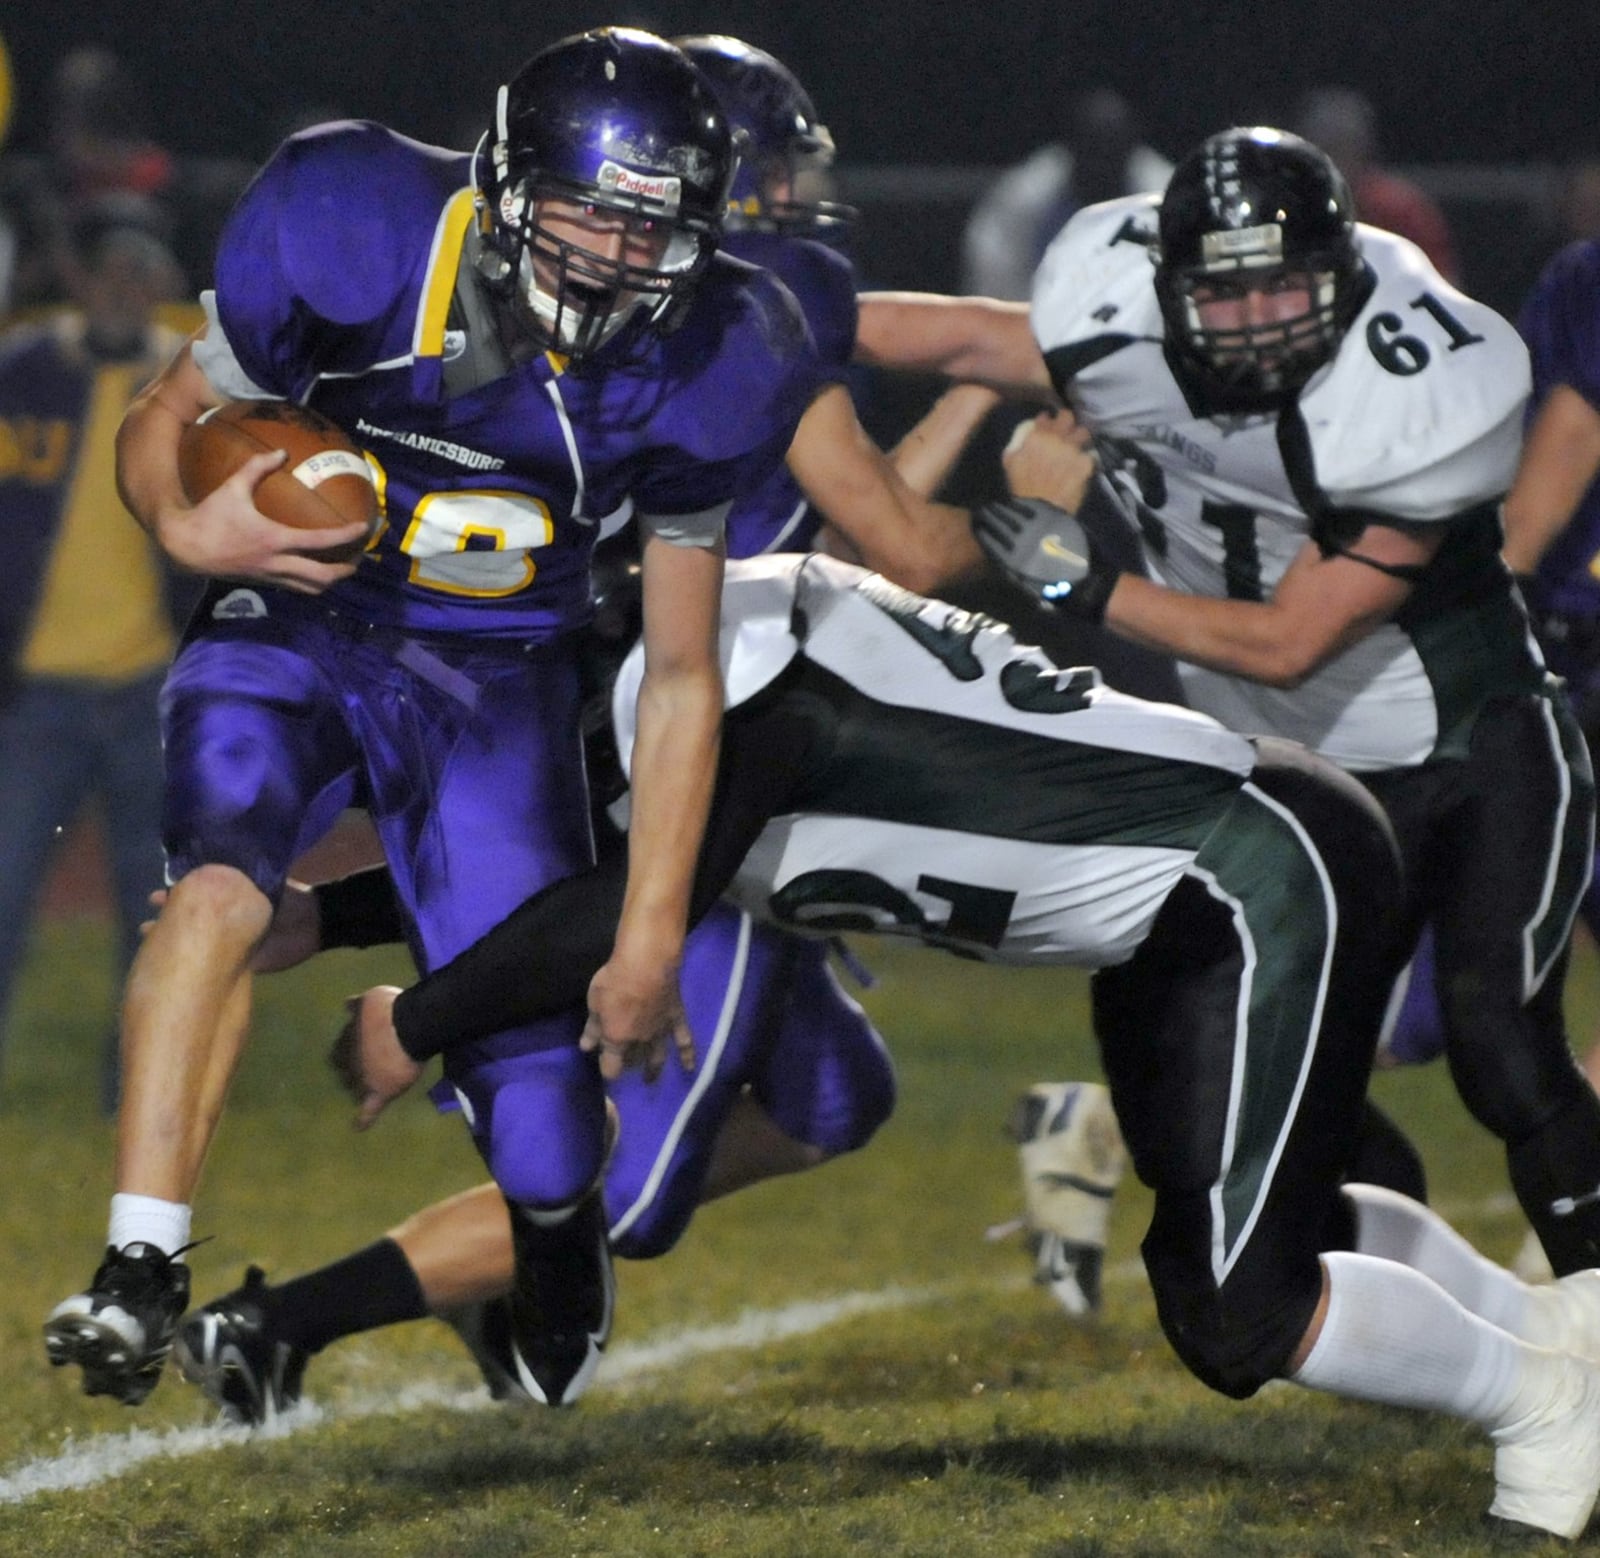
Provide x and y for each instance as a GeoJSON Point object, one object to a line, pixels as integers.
{"type": "Point", "coordinates": [960, 84]}
{"type": "Point", "coordinates": [900, 81]}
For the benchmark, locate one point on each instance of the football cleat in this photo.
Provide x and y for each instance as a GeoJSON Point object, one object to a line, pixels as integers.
{"type": "Point", "coordinates": [485, 1328]}
{"type": "Point", "coordinates": [230, 1350]}
{"type": "Point", "coordinates": [561, 1298]}
{"type": "Point", "coordinates": [1547, 1463]}
{"type": "Point", "coordinates": [119, 1331]}
{"type": "Point", "coordinates": [1530, 1262]}
{"type": "Point", "coordinates": [1571, 1306]}
{"type": "Point", "coordinates": [1073, 1159]}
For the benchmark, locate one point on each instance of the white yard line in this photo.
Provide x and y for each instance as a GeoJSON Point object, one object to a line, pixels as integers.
{"type": "Point", "coordinates": [96, 1460]}
{"type": "Point", "coordinates": [104, 1456]}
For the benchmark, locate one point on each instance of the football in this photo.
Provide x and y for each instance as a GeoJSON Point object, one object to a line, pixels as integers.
{"type": "Point", "coordinates": [326, 481]}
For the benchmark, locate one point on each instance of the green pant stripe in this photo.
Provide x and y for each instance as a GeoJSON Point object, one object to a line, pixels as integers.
{"type": "Point", "coordinates": [1571, 849]}
{"type": "Point", "coordinates": [1260, 863]}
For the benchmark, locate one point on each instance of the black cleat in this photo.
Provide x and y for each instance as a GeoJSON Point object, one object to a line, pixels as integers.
{"type": "Point", "coordinates": [120, 1330]}
{"type": "Point", "coordinates": [486, 1329]}
{"type": "Point", "coordinates": [561, 1299]}
{"type": "Point", "coordinates": [230, 1349]}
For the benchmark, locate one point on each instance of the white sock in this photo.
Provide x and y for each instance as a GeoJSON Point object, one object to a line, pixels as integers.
{"type": "Point", "coordinates": [148, 1220]}
{"type": "Point", "coordinates": [1395, 1336]}
{"type": "Point", "coordinates": [1394, 1227]}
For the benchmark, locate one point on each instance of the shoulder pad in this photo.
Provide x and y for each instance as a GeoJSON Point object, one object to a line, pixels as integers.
{"type": "Point", "coordinates": [744, 348]}
{"type": "Point", "coordinates": [346, 212]}
{"type": "Point", "coordinates": [822, 280]}
{"type": "Point", "coordinates": [1419, 414]}
{"type": "Point", "coordinates": [1096, 278]}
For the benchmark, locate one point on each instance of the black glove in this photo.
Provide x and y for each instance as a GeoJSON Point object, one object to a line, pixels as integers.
{"type": "Point", "coordinates": [1045, 550]}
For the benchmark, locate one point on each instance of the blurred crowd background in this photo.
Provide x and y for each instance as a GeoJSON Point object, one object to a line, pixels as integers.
{"type": "Point", "coordinates": [1487, 106]}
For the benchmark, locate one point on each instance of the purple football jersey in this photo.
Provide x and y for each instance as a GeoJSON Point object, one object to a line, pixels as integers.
{"type": "Point", "coordinates": [335, 278]}
{"type": "Point", "coordinates": [1561, 324]}
{"type": "Point", "coordinates": [777, 517]}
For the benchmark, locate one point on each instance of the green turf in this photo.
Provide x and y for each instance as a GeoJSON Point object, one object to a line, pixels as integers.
{"type": "Point", "coordinates": [968, 1416]}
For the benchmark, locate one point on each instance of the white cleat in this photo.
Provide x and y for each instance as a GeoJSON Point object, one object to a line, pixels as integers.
{"type": "Point", "coordinates": [1547, 1463]}
{"type": "Point", "coordinates": [1072, 1158]}
{"type": "Point", "coordinates": [1570, 1309]}
{"type": "Point", "coordinates": [1530, 1262]}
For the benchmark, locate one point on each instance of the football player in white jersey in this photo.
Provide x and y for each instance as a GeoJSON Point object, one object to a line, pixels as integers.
{"type": "Point", "coordinates": [1310, 431]}
{"type": "Point", "coordinates": [900, 767]}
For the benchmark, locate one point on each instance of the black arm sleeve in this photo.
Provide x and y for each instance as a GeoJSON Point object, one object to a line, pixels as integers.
{"type": "Point", "coordinates": [541, 957]}
{"type": "Point", "coordinates": [359, 910]}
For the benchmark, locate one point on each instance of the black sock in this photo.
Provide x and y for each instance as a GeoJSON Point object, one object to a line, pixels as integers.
{"type": "Point", "coordinates": [1385, 1156]}
{"type": "Point", "coordinates": [372, 1288]}
{"type": "Point", "coordinates": [1556, 1176]}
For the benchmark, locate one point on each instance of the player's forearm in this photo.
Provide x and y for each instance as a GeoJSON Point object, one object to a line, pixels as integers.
{"type": "Point", "coordinates": [673, 772]}
{"type": "Point", "coordinates": [537, 961]}
{"type": "Point", "coordinates": [928, 453]}
{"type": "Point", "coordinates": [1257, 640]}
{"type": "Point", "coordinates": [979, 339]}
{"type": "Point", "coordinates": [1559, 464]}
{"type": "Point", "coordinates": [147, 460]}
{"type": "Point", "coordinates": [147, 441]}
{"type": "Point", "coordinates": [888, 525]}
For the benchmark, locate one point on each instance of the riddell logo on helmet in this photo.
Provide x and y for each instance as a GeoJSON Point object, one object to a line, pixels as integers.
{"type": "Point", "coordinates": [665, 190]}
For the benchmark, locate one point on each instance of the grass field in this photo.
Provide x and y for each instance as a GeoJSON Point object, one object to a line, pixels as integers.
{"type": "Point", "coordinates": [835, 1363]}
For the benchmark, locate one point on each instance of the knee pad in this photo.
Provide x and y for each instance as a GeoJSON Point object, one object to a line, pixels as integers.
{"type": "Point", "coordinates": [829, 1081]}
{"type": "Point", "coordinates": [1236, 1337]}
{"type": "Point", "coordinates": [541, 1129]}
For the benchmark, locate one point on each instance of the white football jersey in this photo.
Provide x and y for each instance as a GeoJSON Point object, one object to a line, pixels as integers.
{"type": "Point", "coordinates": [976, 796]}
{"type": "Point", "coordinates": [1417, 418]}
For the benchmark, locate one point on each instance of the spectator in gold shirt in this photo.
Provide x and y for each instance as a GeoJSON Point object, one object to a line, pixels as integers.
{"type": "Point", "coordinates": [86, 626]}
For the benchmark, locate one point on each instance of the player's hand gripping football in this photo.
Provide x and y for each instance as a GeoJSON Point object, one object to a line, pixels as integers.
{"type": "Point", "coordinates": [367, 1056]}
{"type": "Point", "coordinates": [225, 535]}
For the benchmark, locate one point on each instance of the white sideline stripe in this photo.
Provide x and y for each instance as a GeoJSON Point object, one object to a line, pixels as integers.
{"type": "Point", "coordinates": [105, 1456]}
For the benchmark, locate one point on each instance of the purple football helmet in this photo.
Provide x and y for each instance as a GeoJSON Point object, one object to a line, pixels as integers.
{"type": "Point", "coordinates": [786, 150]}
{"type": "Point", "coordinates": [613, 120]}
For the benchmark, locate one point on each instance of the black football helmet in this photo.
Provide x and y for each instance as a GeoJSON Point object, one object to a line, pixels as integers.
{"type": "Point", "coordinates": [615, 119]}
{"type": "Point", "coordinates": [1246, 208]}
{"type": "Point", "coordinates": [785, 146]}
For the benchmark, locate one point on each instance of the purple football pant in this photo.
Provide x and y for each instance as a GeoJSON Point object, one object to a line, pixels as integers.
{"type": "Point", "coordinates": [768, 1016]}
{"type": "Point", "coordinates": [470, 763]}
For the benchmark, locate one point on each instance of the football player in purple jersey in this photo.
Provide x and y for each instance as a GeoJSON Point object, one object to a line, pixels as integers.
{"type": "Point", "coordinates": [532, 341]}
{"type": "Point", "coordinates": [790, 1071]}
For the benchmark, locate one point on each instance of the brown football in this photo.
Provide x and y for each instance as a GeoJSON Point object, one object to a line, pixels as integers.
{"type": "Point", "coordinates": [325, 482]}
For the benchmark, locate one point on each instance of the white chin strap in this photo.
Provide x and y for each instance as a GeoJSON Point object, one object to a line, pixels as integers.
{"type": "Point", "coordinates": [563, 321]}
